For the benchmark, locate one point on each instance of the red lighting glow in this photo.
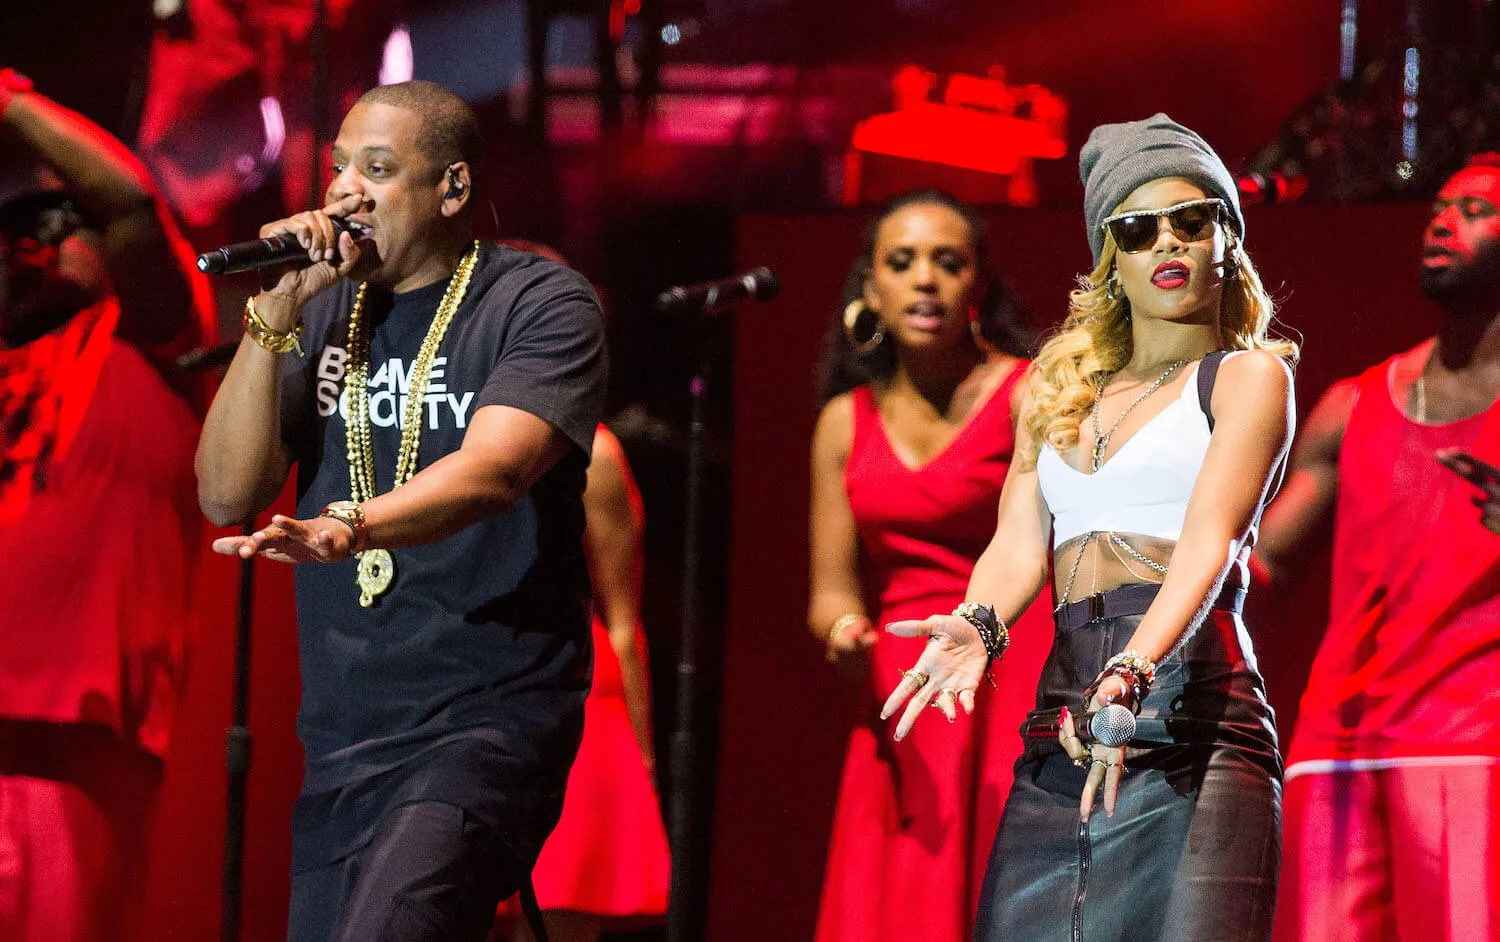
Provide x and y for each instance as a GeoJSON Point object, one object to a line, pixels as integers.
{"type": "Point", "coordinates": [982, 124]}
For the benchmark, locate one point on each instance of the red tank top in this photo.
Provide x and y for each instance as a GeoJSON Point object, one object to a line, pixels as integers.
{"type": "Point", "coordinates": [1410, 663]}
{"type": "Point", "coordinates": [923, 529]}
{"type": "Point", "coordinates": [101, 547]}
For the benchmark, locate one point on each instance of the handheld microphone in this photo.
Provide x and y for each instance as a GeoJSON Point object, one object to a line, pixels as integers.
{"type": "Point", "coordinates": [1112, 726]}
{"type": "Point", "coordinates": [268, 253]}
{"type": "Point", "coordinates": [760, 284]}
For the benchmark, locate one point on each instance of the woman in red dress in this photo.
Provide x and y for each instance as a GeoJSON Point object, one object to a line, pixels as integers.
{"type": "Point", "coordinates": [921, 388]}
{"type": "Point", "coordinates": [606, 865]}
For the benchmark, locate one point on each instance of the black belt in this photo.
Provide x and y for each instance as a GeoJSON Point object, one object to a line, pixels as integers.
{"type": "Point", "coordinates": [1131, 599]}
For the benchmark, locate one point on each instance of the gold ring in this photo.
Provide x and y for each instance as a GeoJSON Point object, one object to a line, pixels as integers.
{"type": "Point", "coordinates": [916, 677]}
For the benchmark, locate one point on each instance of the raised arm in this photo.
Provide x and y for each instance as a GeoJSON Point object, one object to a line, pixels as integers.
{"type": "Point", "coordinates": [242, 461]}
{"type": "Point", "coordinates": [837, 599]}
{"type": "Point", "coordinates": [612, 506]}
{"type": "Point", "coordinates": [151, 268]}
{"type": "Point", "coordinates": [1300, 517]}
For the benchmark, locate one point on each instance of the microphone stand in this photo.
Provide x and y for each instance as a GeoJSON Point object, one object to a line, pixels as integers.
{"type": "Point", "coordinates": [237, 737]}
{"type": "Point", "coordinates": [686, 915]}
{"type": "Point", "coordinates": [237, 755]}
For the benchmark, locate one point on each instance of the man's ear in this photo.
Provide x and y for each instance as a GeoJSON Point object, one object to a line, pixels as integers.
{"type": "Point", "coordinates": [459, 187]}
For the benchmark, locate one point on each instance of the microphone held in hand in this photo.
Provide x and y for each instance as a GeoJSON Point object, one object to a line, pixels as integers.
{"type": "Point", "coordinates": [1112, 726]}
{"type": "Point", "coordinates": [267, 253]}
{"type": "Point", "coordinates": [709, 296]}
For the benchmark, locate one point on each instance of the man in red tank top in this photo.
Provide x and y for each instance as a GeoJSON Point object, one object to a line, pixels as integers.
{"type": "Point", "coordinates": [1393, 779]}
{"type": "Point", "coordinates": [98, 517]}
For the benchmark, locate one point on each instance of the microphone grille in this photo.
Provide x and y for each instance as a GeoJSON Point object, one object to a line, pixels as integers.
{"type": "Point", "coordinates": [1113, 726]}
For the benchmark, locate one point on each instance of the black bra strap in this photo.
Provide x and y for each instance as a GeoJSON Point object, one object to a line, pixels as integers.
{"type": "Point", "coordinates": [1208, 374]}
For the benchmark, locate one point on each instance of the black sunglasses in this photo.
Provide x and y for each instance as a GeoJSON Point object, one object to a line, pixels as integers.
{"type": "Point", "coordinates": [1192, 221]}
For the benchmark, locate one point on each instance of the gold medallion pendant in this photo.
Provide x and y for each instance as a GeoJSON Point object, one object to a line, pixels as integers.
{"type": "Point", "coordinates": [377, 570]}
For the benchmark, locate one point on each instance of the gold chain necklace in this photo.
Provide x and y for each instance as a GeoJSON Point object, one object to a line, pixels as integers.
{"type": "Point", "coordinates": [377, 570]}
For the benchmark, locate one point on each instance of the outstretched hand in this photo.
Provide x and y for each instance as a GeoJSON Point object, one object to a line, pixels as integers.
{"type": "Point", "coordinates": [946, 675]}
{"type": "Point", "coordinates": [1105, 764]}
{"type": "Point", "coordinates": [286, 540]}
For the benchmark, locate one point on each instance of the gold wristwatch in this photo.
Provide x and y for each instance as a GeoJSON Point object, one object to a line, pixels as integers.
{"type": "Point", "coordinates": [352, 515]}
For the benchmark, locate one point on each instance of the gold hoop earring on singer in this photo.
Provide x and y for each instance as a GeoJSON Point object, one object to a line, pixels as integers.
{"type": "Point", "coordinates": [862, 337]}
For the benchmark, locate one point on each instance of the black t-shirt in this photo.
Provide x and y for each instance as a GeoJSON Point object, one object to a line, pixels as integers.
{"type": "Point", "coordinates": [483, 638]}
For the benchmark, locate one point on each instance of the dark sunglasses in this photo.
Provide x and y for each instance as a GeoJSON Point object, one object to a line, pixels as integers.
{"type": "Point", "coordinates": [1192, 221]}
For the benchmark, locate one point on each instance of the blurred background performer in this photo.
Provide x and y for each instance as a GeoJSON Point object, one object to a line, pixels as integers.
{"type": "Point", "coordinates": [607, 863]}
{"type": "Point", "coordinates": [1393, 778]}
{"type": "Point", "coordinates": [440, 397]}
{"type": "Point", "coordinates": [921, 383]}
{"type": "Point", "coordinates": [1156, 423]}
{"type": "Point", "coordinates": [98, 523]}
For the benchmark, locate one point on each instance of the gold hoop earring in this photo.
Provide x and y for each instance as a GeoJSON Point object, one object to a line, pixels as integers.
{"type": "Point", "coordinates": [854, 311]}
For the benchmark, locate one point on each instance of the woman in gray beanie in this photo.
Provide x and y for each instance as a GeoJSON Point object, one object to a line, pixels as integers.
{"type": "Point", "coordinates": [1155, 427]}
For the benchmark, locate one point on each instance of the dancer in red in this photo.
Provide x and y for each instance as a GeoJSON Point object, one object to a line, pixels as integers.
{"type": "Point", "coordinates": [909, 455]}
{"type": "Point", "coordinates": [1393, 778]}
{"type": "Point", "coordinates": [99, 528]}
{"type": "Point", "coordinates": [606, 864]}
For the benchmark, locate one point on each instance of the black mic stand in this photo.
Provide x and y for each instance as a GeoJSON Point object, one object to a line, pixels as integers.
{"type": "Point", "coordinates": [237, 736]}
{"type": "Point", "coordinates": [686, 917]}
{"type": "Point", "coordinates": [237, 755]}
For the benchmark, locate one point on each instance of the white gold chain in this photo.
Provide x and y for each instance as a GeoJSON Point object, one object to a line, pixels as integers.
{"type": "Point", "coordinates": [1101, 438]}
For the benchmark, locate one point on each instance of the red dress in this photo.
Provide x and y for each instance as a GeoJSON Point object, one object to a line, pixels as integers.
{"type": "Point", "coordinates": [915, 819]}
{"type": "Point", "coordinates": [608, 855]}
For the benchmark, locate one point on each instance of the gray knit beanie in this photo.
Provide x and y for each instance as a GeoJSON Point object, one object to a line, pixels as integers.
{"type": "Point", "coordinates": [1120, 157]}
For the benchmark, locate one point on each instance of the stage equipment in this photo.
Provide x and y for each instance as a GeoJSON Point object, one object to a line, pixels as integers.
{"type": "Point", "coordinates": [984, 133]}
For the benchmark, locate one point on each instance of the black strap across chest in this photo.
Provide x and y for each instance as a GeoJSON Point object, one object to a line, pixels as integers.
{"type": "Point", "coordinates": [1208, 374]}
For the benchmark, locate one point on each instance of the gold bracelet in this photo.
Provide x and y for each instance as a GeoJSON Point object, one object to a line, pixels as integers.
{"type": "Point", "coordinates": [268, 337]}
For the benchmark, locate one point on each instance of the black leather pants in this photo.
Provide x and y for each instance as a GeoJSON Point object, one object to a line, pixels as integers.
{"type": "Point", "coordinates": [1193, 850]}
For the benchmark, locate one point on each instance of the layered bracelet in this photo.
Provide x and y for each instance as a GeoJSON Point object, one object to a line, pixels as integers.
{"type": "Point", "coordinates": [993, 632]}
{"type": "Point", "coordinates": [1136, 669]}
{"type": "Point", "coordinates": [268, 337]}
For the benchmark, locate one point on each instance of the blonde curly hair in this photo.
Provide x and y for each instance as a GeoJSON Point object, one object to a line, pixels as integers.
{"type": "Point", "coordinates": [1095, 341]}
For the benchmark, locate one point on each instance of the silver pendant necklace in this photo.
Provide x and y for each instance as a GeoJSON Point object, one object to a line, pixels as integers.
{"type": "Point", "coordinates": [1101, 438]}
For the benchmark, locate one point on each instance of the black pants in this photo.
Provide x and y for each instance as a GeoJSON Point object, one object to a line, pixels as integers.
{"type": "Point", "coordinates": [430, 873]}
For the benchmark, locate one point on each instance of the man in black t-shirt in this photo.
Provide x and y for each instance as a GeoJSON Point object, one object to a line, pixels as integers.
{"type": "Point", "coordinates": [443, 611]}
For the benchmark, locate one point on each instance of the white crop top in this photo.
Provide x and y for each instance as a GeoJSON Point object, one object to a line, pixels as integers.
{"type": "Point", "coordinates": [1143, 487]}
